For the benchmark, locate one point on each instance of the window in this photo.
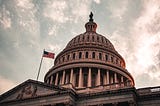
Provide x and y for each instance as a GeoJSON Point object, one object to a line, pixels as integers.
{"type": "Point", "coordinates": [102, 40]}
{"type": "Point", "coordinates": [88, 38]}
{"type": "Point", "coordinates": [63, 59]}
{"type": "Point", "coordinates": [74, 56]}
{"type": "Point", "coordinates": [80, 55]}
{"type": "Point", "coordinates": [116, 61]}
{"type": "Point", "coordinates": [106, 57]}
{"type": "Point", "coordinates": [97, 38]}
{"type": "Point", "coordinates": [85, 76]}
{"type": "Point", "coordinates": [100, 56]}
{"type": "Point", "coordinates": [77, 78]}
{"type": "Point", "coordinates": [68, 57]}
{"type": "Point", "coordinates": [86, 54]}
{"type": "Point", "coordinates": [93, 55]}
{"type": "Point", "coordinates": [93, 38]}
{"type": "Point", "coordinates": [112, 59]}
{"type": "Point", "coordinates": [59, 80]}
{"type": "Point", "coordinates": [78, 39]}
{"type": "Point", "coordinates": [83, 38]}
{"type": "Point", "coordinates": [93, 80]}
{"type": "Point", "coordinates": [101, 79]}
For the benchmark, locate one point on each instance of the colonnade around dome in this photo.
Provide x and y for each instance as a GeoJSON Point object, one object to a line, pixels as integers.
{"type": "Point", "coordinates": [87, 77]}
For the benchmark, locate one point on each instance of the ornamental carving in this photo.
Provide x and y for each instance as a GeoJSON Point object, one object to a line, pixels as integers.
{"type": "Point", "coordinates": [27, 91]}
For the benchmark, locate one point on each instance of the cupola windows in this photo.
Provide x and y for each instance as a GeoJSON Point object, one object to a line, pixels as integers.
{"type": "Point", "coordinates": [93, 55]}
{"type": "Point", "coordinates": [100, 56]}
{"type": "Point", "coordinates": [86, 55]}
{"type": "Point", "coordinates": [74, 56]}
{"type": "Point", "coordinates": [80, 55]}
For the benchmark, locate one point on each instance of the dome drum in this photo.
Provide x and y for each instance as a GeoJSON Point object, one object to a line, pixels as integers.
{"type": "Point", "coordinates": [90, 77]}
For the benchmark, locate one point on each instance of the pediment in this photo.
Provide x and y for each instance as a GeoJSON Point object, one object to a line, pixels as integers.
{"type": "Point", "coordinates": [29, 89]}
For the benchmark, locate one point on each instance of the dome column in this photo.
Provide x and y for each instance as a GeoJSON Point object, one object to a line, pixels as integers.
{"type": "Point", "coordinates": [63, 77]}
{"type": "Point", "coordinates": [121, 78]}
{"type": "Point", "coordinates": [71, 76]}
{"type": "Point", "coordinates": [48, 81]}
{"type": "Point", "coordinates": [115, 77]}
{"type": "Point", "coordinates": [56, 82]}
{"type": "Point", "coordinates": [80, 78]}
{"type": "Point", "coordinates": [98, 77]}
{"type": "Point", "coordinates": [51, 79]}
{"type": "Point", "coordinates": [107, 76]}
{"type": "Point", "coordinates": [89, 77]}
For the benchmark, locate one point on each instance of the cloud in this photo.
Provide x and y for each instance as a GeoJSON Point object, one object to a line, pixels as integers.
{"type": "Point", "coordinates": [28, 22]}
{"type": "Point", "coordinates": [81, 11]}
{"type": "Point", "coordinates": [55, 11]}
{"type": "Point", "coordinates": [97, 1]}
{"type": "Point", "coordinates": [118, 9]}
{"type": "Point", "coordinates": [5, 19]}
{"type": "Point", "coordinates": [141, 48]}
{"type": "Point", "coordinates": [6, 84]}
{"type": "Point", "coordinates": [146, 35]}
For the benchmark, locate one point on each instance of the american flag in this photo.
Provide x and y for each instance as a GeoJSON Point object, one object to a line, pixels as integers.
{"type": "Point", "coordinates": [48, 54]}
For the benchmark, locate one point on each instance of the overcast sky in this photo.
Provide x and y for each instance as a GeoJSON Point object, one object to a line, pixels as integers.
{"type": "Point", "coordinates": [29, 26]}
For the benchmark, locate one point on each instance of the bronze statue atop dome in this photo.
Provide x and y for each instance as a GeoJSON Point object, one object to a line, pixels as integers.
{"type": "Point", "coordinates": [91, 17]}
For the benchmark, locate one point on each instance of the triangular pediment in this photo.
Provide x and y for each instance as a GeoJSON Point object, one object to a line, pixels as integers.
{"type": "Point", "coordinates": [29, 89]}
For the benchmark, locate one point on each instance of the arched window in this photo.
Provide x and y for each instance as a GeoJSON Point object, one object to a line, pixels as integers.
{"type": "Point", "coordinates": [93, 38]}
{"type": "Point", "coordinates": [93, 55]}
{"type": "Point", "coordinates": [78, 38]}
{"type": "Point", "coordinates": [83, 38]}
{"type": "Point", "coordinates": [117, 61]}
{"type": "Point", "coordinates": [88, 38]}
{"type": "Point", "coordinates": [112, 59]}
{"type": "Point", "coordinates": [80, 55]}
{"type": "Point", "coordinates": [63, 59]}
{"type": "Point", "coordinates": [86, 54]}
{"type": "Point", "coordinates": [97, 39]}
{"type": "Point", "coordinates": [74, 56]}
{"type": "Point", "coordinates": [100, 56]}
{"type": "Point", "coordinates": [106, 57]}
{"type": "Point", "coordinates": [68, 57]}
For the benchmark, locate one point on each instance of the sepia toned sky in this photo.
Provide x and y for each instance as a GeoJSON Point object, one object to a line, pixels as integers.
{"type": "Point", "coordinates": [29, 26]}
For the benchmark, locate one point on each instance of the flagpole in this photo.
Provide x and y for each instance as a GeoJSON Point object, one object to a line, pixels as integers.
{"type": "Point", "coordinates": [40, 66]}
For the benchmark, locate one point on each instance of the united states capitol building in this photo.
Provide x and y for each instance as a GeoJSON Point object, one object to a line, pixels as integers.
{"type": "Point", "coordinates": [88, 72]}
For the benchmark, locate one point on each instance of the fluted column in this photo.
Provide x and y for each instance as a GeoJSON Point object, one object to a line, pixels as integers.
{"type": "Point", "coordinates": [105, 79]}
{"type": "Point", "coordinates": [121, 78]}
{"type": "Point", "coordinates": [51, 79]}
{"type": "Point", "coordinates": [89, 77]}
{"type": "Point", "coordinates": [80, 78]}
{"type": "Point", "coordinates": [115, 77]}
{"type": "Point", "coordinates": [71, 76]}
{"type": "Point", "coordinates": [63, 77]}
{"type": "Point", "coordinates": [48, 81]}
{"type": "Point", "coordinates": [107, 76]}
{"type": "Point", "coordinates": [56, 82]}
{"type": "Point", "coordinates": [98, 77]}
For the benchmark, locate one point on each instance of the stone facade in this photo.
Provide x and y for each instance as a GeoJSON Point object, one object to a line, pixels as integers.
{"type": "Point", "coordinates": [88, 72]}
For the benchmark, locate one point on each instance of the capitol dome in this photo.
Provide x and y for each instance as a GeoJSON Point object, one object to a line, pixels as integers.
{"type": "Point", "coordinates": [89, 63]}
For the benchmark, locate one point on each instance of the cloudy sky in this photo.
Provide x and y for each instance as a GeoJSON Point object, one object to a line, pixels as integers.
{"type": "Point", "coordinates": [29, 26]}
